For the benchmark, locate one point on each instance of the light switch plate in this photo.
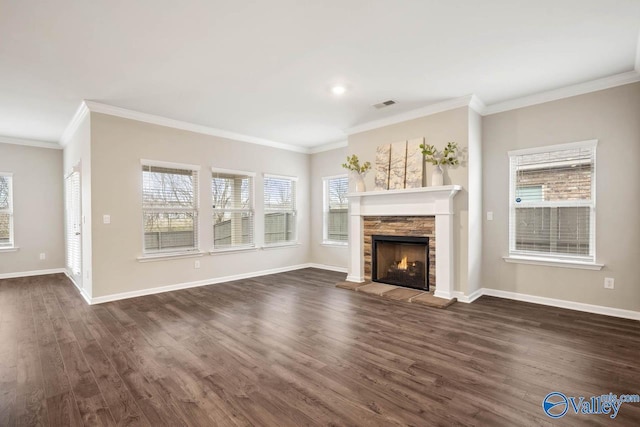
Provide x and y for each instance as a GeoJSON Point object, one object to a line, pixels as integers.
{"type": "Point", "coordinates": [106, 219]}
{"type": "Point", "coordinates": [489, 216]}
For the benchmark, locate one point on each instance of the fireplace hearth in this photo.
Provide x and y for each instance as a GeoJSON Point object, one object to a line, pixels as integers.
{"type": "Point", "coordinates": [400, 260]}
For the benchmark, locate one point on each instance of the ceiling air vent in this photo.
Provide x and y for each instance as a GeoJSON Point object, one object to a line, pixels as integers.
{"type": "Point", "coordinates": [385, 104]}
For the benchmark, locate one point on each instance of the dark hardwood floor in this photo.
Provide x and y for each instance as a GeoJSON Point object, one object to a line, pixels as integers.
{"type": "Point", "coordinates": [291, 349]}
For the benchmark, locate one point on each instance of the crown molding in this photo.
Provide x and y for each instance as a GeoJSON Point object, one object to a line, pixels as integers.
{"type": "Point", "coordinates": [29, 143]}
{"type": "Point", "coordinates": [428, 110]}
{"type": "Point", "coordinates": [477, 105]}
{"type": "Point", "coordinates": [471, 101]}
{"type": "Point", "coordinates": [96, 107]}
{"type": "Point", "coordinates": [75, 122]}
{"type": "Point", "coordinates": [564, 92]}
{"type": "Point", "coordinates": [328, 147]}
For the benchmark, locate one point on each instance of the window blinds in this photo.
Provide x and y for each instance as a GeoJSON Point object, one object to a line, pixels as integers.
{"type": "Point", "coordinates": [6, 211]}
{"type": "Point", "coordinates": [279, 209]}
{"type": "Point", "coordinates": [170, 208]}
{"type": "Point", "coordinates": [553, 202]}
{"type": "Point", "coordinates": [233, 216]}
{"type": "Point", "coordinates": [73, 223]}
{"type": "Point", "coordinates": [336, 209]}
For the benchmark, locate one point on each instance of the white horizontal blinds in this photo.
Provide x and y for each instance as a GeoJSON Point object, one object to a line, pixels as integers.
{"type": "Point", "coordinates": [233, 216]}
{"type": "Point", "coordinates": [279, 209]}
{"type": "Point", "coordinates": [170, 208]}
{"type": "Point", "coordinates": [336, 209]}
{"type": "Point", "coordinates": [6, 210]}
{"type": "Point", "coordinates": [553, 203]}
{"type": "Point", "coordinates": [73, 223]}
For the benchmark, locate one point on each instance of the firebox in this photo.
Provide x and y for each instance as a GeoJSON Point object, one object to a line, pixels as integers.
{"type": "Point", "coordinates": [400, 260]}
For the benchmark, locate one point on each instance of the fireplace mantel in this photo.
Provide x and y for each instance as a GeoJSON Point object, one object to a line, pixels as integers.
{"type": "Point", "coordinates": [425, 201]}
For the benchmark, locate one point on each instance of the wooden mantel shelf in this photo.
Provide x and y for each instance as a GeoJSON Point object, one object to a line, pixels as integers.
{"type": "Point", "coordinates": [444, 190]}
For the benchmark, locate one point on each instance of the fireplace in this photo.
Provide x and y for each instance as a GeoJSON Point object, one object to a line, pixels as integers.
{"type": "Point", "coordinates": [400, 260]}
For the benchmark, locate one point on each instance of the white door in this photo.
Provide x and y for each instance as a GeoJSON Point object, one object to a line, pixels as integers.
{"type": "Point", "coordinates": [73, 214]}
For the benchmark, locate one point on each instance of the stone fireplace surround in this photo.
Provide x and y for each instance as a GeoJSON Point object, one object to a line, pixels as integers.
{"type": "Point", "coordinates": [372, 206]}
{"type": "Point", "coordinates": [405, 226]}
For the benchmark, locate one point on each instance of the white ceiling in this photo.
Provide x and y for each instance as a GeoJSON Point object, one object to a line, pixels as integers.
{"type": "Point", "coordinates": [265, 68]}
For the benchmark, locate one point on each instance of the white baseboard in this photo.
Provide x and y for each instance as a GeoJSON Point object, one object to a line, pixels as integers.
{"type": "Point", "coordinates": [571, 305]}
{"type": "Point", "coordinates": [187, 285]}
{"type": "Point", "coordinates": [328, 267]}
{"type": "Point", "coordinates": [31, 273]}
{"type": "Point", "coordinates": [355, 279]}
{"type": "Point", "coordinates": [84, 295]}
{"type": "Point", "coordinates": [468, 298]}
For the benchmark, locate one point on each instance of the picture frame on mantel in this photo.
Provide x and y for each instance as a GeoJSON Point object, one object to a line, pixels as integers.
{"type": "Point", "coordinates": [415, 164]}
{"type": "Point", "coordinates": [399, 165]}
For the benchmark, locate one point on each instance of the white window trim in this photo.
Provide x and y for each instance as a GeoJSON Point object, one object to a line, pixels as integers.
{"type": "Point", "coordinates": [157, 255]}
{"type": "Point", "coordinates": [232, 171]}
{"type": "Point", "coordinates": [294, 241]}
{"type": "Point", "coordinates": [270, 175]}
{"type": "Point", "coordinates": [554, 260]}
{"type": "Point", "coordinates": [590, 143]}
{"type": "Point", "coordinates": [168, 165]}
{"type": "Point", "coordinates": [162, 256]}
{"type": "Point", "coordinates": [325, 210]}
{"type": "Point", "coordinates": [515, 259]}
{"type": "Point", "coordinates": [12, 241]}
{"type": "Point", "coordinates": [252, 209]}
{"type": "Point", "coordinates": [280, 245]}
{"type": "Point", "coordinates": [222, 251]}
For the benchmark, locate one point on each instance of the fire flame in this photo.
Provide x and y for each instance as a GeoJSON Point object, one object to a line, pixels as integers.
{"type": "Point", "coordinates": [402, 265]}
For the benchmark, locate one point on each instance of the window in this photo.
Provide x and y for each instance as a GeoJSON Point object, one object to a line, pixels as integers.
{"type": "Point", "coordinates": [552, 202]}
{"type": "Point", "coordinates": [279, 209]}
{"type": "Point", "coordinates": [73, 215]}
{"type": "Point", "coordinates": [232, 198]}
{"type": "Point", "coordinates": [6, 210]}
{"type": "Point", "coordinates": [169, 207]}
{"type": "Point", "coordinates": [335, 210]}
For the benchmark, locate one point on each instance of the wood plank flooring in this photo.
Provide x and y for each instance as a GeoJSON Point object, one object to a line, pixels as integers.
{"type": "Point", "coordinates": [291, 349]}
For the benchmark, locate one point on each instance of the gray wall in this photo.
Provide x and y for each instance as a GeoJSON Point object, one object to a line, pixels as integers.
{"type": "Point", "coordinates": [613, 117]}
{"type": "Point", "coordinates": [118, 144]}
{"type": "Point", "coordinates": [38, 208]}
{"type": "Point", "coordinates": [327, 163]}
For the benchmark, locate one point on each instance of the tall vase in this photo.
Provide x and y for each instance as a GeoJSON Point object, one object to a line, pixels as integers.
{"type": "Point", "coordinates": [360, 186]}
{"type": "Point", "coordinates": [437, 177]}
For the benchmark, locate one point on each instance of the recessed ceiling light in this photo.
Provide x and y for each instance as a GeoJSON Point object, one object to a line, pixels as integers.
{"type": "Point", "coordinates": [338, 90]}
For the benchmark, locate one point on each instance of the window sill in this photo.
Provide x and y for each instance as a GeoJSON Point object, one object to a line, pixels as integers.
{"type": "Point", "coordinates": [334, 244]}
{"type": "Point", "coordinates": [232, 250]}
{"type": "Point", "coordinates": [553, 262]}
{"type": "Point", "coordinates": [169, 255]}
{"type": "Point", "coordinates": [9, 249]}
{"type": "Point", "coordinates": [281, 245]}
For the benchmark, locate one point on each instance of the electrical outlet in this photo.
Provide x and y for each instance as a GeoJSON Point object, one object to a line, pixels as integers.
{"type": "Point", "coordinates": [489, 216]}
{"type": "Point", "coordinates": [43, 256]}
{"type": "Point", "coordinates": [106, 219]}
{"type": "Point", "coordinates": [608, 282]}
{"type": "Point", "coordinates": [196, 264]}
